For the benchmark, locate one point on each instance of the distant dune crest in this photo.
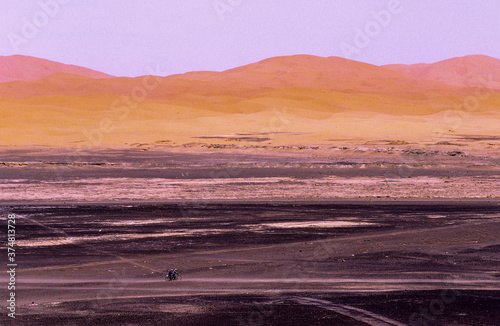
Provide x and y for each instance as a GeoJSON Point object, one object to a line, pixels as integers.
{"type": "Point", "coordinates": [469, 71]}
{"type": "Point", "coordinates": [25, 68]}
{"type": "Point", "coordinates": [278, 73]}
{"type": "Point", "coordinates": [293, 71]}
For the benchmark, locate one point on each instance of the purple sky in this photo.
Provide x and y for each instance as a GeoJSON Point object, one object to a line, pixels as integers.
{"type": "Point", "coordinates": [174, 36]}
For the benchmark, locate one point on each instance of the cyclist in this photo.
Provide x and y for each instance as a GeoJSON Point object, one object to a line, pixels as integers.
{"type": "Point", "coordinates": [174, 275]}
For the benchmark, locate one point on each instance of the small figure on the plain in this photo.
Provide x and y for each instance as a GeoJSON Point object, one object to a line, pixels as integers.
{"type": "Point", "coordinates": [170, 274]}
{"type": "Point", "coordinates": [174, 275]}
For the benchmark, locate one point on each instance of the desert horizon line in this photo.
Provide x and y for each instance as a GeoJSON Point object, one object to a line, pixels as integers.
{"type": "Point", "coordinates": [150, 69]}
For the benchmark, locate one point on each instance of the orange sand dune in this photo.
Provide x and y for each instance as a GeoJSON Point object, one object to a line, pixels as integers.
{"type": "Point", "coordinates": [20, 67]}
{"type": "Point", "coordinates": [470, 71]}
{"type": "Point", "coordinates": [302, 71]}
{"type": "Point", "coordinates": [319, 116]}
{"type": "Point", "coordinates": [331, 73]}
{"type": "Point", "coordinates": [300, 100]}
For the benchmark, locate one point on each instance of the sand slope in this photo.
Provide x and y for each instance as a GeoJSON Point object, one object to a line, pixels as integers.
{"type": "Point", "coordinates": [20, 67]}
{"type": "Point", "coordinates": [469, 71]}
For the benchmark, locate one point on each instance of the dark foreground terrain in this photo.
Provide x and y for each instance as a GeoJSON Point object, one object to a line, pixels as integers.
{"type": "Point", "coordinates": [439, 307]}
{"type": "Point", "coordinates": [288, 263]}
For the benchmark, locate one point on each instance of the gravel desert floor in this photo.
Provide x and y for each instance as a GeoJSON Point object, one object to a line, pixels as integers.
{"type": "Point", "coordinates": [218, 172]}
{"type": "Point", "coordinates": [403, 262]}
{"type": "Point", "coordinates": [338, 235]}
